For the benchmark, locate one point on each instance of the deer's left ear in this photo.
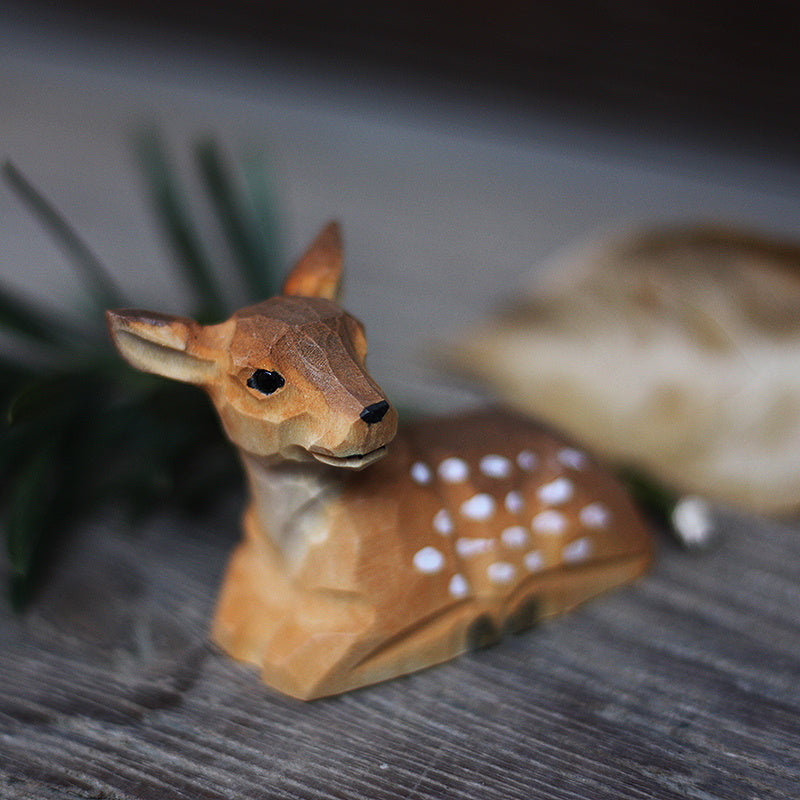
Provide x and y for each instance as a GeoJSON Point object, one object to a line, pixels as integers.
{"type": "Point", "coordinates": [319, 271]}
{"type": "Point", "coordinates": [159, 343]}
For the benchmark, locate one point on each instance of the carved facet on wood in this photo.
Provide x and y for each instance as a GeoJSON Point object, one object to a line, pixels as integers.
{"type": "Point", "coordinates": [367, 552]}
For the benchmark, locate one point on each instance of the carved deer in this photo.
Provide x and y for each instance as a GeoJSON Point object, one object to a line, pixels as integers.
{"type": "Point", "coordinates": [361, 561]}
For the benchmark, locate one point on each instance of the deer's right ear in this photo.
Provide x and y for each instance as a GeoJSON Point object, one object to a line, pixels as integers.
{"type": "Point", "coordinates": [318, 273]}
{"type": "Point", "coordinates": [159, 343]}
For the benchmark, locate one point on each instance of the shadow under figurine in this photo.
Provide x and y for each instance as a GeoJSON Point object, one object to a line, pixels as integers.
{"type": "Point", "coordinates": [462, 529]}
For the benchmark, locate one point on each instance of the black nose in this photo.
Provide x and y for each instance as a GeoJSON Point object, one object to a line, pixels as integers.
{"type": "Point", "coordinates": [375, 412]}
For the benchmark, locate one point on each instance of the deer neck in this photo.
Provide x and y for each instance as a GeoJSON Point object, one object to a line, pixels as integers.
{"type": "Point", "coordinates": [290, 501]}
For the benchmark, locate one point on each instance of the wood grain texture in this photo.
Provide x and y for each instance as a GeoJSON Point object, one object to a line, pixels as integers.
{"type": "Point", "coordinates": [684, 685]}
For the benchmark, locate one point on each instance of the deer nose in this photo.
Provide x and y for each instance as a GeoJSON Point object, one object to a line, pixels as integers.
{"type": "Point", "coordinates": [375, 412]}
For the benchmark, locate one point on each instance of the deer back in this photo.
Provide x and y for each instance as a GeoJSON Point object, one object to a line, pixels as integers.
{"type": "Point", "coordinates": [470, 527]}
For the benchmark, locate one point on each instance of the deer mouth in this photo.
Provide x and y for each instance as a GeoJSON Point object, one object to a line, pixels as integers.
{"type": "Point", "coordinates": [357, 461]}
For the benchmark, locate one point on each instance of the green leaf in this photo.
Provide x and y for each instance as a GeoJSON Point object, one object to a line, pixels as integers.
{"type": "Point", "coordinates": [655, 498]}
{"type": "Point", "coordinates": [97, 280]}
{"type": "Point", "coordinates": [252, 256]}
{"type": "Point", "coordinates": [30, 506]}
{"type": "Point", "coordinates": [87, 429]}
{"type": "Point", "coordinates": [54, 396]}
{"type": "Point", "coordinates": [262, 196]}
{"type": "Point", "coordinates": [12, 376]}
{"type": "Point", "coordinates": [172, 214]}
{"type": "Point", "coordinates": [15, 448]}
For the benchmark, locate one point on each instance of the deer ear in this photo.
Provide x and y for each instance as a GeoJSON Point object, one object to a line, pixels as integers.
{"type": "Point", "coordinates": [159, 343]}
{"type": "Point", "coordinates": [319, 272]}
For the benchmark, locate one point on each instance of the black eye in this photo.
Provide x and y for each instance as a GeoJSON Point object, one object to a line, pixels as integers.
{"type": "Point", "coordinates": [265, 381]}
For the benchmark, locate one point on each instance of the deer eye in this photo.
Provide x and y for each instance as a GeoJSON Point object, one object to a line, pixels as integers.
{"type": "Point", "coordinates": [265, 381]}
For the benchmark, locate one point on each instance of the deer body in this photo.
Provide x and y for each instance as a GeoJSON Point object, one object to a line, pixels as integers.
{"type": "Point", "coordinates": [360, 562]}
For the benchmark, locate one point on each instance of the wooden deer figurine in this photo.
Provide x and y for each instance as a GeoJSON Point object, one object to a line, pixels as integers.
{"type": "Point", "coordinates": [362, 561]}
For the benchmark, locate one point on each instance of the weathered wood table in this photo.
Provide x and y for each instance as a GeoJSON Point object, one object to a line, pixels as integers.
{"type": "Point", "coordinates": [683, 685]}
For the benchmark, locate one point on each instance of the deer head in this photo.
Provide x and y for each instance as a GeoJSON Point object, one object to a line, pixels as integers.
{"type": "Point", "coordinates": [287, 375]}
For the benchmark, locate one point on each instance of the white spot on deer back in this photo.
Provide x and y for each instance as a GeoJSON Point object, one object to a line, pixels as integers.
{"type": "Point", "coordinates": [533, 561]}
{"type": "Point", "coordinates": [479, 507]}
{"type": "Point", "coordinates": [453, 470]}
{"type": "Point", "coordinates": [514, 502]}
{"type": "Point", "coordinates": [556, 492]}
{"type": "Point", "coordinates": [570, 457]}
{"type": "Point", "coordinates": [515, 536]}
{"type": "Point", "coordinates": [693, 521]}
{"type": "Point", "coordinates": [421, 473]}
{"type": "Point", "coordinates": [494, 466]}
{"type": "Point", "coordinates": [473, 547]}
{"type": "Point", "coordinates": [501, 572]}
{"type": "Point", "coordinates": [549, 522]}
{"type": "Point", "coordinates": [595, 515]}
{"type": "Point", "coordinates": [319, 536]}
{"type": "Point", "coordinates": [576, 551]}
{"type": "Point", "coordinates": [458, 586]}
{"type": "Point", "coordinates": [527, 460]}
{"type": "Point", "coordinates": [443, 522]}
{"type": "Point", "coordinates": [428, 560]}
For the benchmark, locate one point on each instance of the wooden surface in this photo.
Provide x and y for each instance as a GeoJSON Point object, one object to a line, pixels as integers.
{"type": "Point", "coordinates": [685, 685]}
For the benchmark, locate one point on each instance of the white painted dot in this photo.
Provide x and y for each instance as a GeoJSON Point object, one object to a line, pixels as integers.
{"type": "Point", "coordinates": [501, 572]}
{"type": "Point", "coordinates": [428, 560]}
{"type": "Point", "coordinates": [556, 492]}
{"type": "Point", "coordinates": [550, 522]}
{"type": "Point", "coordinates": [579, 550]}
{"type": "Point", "coordinates": [533, 561]}
{"type": "Point", "coordinates": [479, 507]}
{"type": "Point", "coordinates": [494, 466]}
{"type": "Point", "coordinates": [443, 522]}
{"type": "Point", "coordinates": [693, 521]}
{"type": "Point", "coordinates": [514, 502]}
{"type": "Point", "coordinates": [595, 515]}
{"type": "Point", "coordinates": [570, 457]}
{"type": "Point", "coordinates": [319, 536]}
{"type": "Point", "coordinates": [458, 586]}
{"type": "Point", "coordinates": [474, 547]}
{"type": "Point", "coordinates": [515, 536]}
{"type": "Point", "coordinates": [453, 470]}
{"type": "Point", "coordinates": [527, 460]}
{"type": "Point", "coordinates": [421, 473]}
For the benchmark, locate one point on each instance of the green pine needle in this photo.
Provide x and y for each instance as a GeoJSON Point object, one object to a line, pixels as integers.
{"type": "Point", "coordinates": [99, 285]}
{"type": "Point", "coordinates": [238, 223]}
{"type": "Point", "coordinates": [29, 501]}
{"type": "Point", "coordinates": [171, 211]}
